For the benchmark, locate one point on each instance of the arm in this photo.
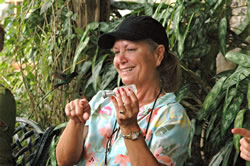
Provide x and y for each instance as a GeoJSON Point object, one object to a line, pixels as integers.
{"type": "Point", "coordinates": [245, 142]}
{"type": "Point", "coordinates": [163, 144]}
{"type": "Point", "coordinates": [69, 150]}
{"type": "Point", "coordinates": [138, 152]}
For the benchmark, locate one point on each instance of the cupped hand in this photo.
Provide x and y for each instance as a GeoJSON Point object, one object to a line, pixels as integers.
{"type": "Point", "coordinates": [244, 142]}
{"type": "Point", "coordinates": [127, 108]}
{"type": "Point", "coordinates": [78, 110]}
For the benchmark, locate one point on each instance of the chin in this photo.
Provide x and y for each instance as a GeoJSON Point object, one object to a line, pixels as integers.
{"type": "Point", "coordinates": [127, 82]}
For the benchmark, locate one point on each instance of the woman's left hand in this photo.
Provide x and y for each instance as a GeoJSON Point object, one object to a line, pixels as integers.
{"type": "Point", "coordinates": [127, 108]}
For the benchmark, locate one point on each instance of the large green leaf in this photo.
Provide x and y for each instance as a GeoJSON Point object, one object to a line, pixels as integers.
{"type": "Point", "coordinates": [97, 71]}
{"type": "Point", "coordinates": [229, 114]}
{"type": "Point", "coordinates": [238, 122]}
{"type": "Point", "coordinates": [238, 58]}
{"type": "Point", "coordinates": [79, 49]}
{"type": "Point", "coordinates": [212, 99]}
{"type": "Point", "coordinates": [220, 156]}
{"type": "Point", "coordinates": [222, 35]}
{"type": "Point", "coordinates": [108, 76]}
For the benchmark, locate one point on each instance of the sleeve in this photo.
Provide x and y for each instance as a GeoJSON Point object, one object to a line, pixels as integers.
{"type": "Point", "coordinates": [171, 135]}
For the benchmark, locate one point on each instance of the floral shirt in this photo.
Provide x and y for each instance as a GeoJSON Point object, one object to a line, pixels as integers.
{"type": "Point", "coordinates": [167, 136]}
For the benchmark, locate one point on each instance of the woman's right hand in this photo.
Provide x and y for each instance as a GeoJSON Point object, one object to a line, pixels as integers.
{"type": "Point", "coordinates": [245, 142]}
{"type": "Point", "coordinates": [78, 110]}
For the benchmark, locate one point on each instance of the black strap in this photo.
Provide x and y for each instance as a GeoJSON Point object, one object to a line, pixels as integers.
{"type": "Point", "coordinates": [151, 113]}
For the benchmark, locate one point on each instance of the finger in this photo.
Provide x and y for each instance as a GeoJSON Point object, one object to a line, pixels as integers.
{"type": "Point", "coordinates": [245, 151]}
{"type": "Point", "coordinates": [68, 109]}
{"type": "Point", "coordinates": [86, 110]}
{"type": "Point", "coordinates": [119, 99]}
{"type": "Point", "coordinates": [114, 101]}
{"type": "Point", "coordinates": [241, 131]}
{"type": "Point", "coordinates": [244, 156]}
{"type": "Point", "coordinates": [133, 98]}
{"type": "Point", "coordinates": [245, 144]}
{"type": "Point", "coordinates": [83, 102]}
{"type": "Point", "coordinates": [79, 110]}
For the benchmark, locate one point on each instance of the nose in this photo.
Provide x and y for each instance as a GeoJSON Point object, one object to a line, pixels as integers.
{"type": "Point", "coordinates": [121, 58]}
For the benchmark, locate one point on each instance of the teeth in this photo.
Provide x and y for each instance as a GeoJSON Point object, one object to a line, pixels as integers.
{"type": "Point", "coordinates": [126, 70]}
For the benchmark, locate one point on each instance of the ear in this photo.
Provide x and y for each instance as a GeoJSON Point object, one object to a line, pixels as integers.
{"type": "Point", "coordinates": [159, 54]}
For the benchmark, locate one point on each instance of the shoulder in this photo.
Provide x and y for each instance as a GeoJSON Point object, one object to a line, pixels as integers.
{"type": "Point", "coordinates": [168, 101]}
{"type": "Point", "coordinates": [172, 109]}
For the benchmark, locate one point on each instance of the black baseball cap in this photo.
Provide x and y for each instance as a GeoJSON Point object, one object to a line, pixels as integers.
{"type": "Point", "coordinates": [135, 28]}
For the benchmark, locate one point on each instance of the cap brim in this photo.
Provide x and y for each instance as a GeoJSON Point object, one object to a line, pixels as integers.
{"type": "Point", "coordinates": [107, 40]}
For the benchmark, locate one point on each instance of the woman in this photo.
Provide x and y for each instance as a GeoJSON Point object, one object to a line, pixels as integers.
{"type": "Point", "coordinates": [146, 128]}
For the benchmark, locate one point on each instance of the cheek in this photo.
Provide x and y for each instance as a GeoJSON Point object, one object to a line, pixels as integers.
{"type": "Point", "coordinates": [115, 63]}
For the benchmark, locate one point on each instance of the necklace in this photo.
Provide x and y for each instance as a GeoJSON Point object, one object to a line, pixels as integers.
{"type": "Point", "coordinates": [108, 145]}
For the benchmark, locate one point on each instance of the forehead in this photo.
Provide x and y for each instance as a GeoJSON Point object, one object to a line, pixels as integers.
{"type": "Point", "coordinates": [124, 43]}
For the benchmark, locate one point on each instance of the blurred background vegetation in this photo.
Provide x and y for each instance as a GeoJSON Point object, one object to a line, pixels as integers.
{"type": "Point", "coordinates": [51, 57]}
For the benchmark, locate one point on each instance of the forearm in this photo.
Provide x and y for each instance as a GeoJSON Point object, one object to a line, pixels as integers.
{"type": "Point", "coordinates": [139, 154]}
{"type": "Point", "coordinates": [70, 146]}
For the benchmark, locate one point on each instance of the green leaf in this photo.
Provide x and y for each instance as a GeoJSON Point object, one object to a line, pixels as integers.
{"type": "Point", "coordinates": [108, 76]}
{"type": "Point", "coordinates": [229, 96]}
{"type": "Point", "coordinates": [191, 135]}
{"type": "Point", "coordinates": [79, 49]}
{"type": "Point", "coordinates": [97, 71]}
{"type": "Point", "coordinates": [219, 157]}
{"type": "Point", "coordinates": [227, 156]}
{"type": "Point", "coordinates": [85, 67]}
{"type": "Point", "coordinates": [212, 99]}
{"type": "Point", "coordinates": [222, 35]}
{"type": "Point", "coordinates": [210, 126]}
{"type": "Point", "coordinates": [229, 114]}
{"type": "Point", "coordinates": [238, 58]}
{"type": "Point", "coordinates": [238, 122]}
{"type": "Point", "coordinates": [248, 96]}
{"type": "Point", "coordinates": [239, 74]}
{"type": "Point", "coordinates": [52, 151]}
{"type": "Point", "coordinates": [46, 6]}
{"type": "Point", "coordinates": [148, 9]}
{"type": "Point", "coordinates": [93, 25]}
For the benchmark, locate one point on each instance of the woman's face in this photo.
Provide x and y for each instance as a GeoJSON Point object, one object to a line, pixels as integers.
{"type": "Point", "coordinates": [135, 61]}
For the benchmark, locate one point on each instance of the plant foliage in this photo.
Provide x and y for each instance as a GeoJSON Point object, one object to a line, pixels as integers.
{"type": "Point", "coordinates": [57, 62]}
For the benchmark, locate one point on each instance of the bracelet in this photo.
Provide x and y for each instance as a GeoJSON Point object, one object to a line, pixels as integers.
{"type": "Point", "coordinates": [134, 135]}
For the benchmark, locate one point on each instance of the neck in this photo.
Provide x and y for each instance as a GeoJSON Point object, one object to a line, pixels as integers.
{"type": "Point", "coordinates": [147, 94]}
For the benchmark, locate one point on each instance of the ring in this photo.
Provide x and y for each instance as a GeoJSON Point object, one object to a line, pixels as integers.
{"type": "Point", "coordinates": [121, 112]}
{"type": "Point", "coordinates": [70, 109]}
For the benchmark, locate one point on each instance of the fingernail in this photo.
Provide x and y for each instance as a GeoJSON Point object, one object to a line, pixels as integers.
{"type": "Point", "coordinates": [118, 90]}
{"type": "Point", "coordinates": [129, 90]}
{"type": "Point", "coordinates": [112, 97]}
{"type": "Point", "coordinates": [122, 89]}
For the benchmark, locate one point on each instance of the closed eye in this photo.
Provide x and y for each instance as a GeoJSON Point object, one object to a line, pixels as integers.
{"type": "Point", "coordinates": [116, 52]}
{"type": "Point", "coordinates": [130, 49]}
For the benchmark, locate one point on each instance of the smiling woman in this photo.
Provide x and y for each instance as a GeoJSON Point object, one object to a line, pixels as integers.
{"type": "Point", "coordinates": [148, 127]}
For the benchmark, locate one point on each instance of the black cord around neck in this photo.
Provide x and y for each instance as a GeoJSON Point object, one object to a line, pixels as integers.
{"type": "Point", "coordinates": [152, 109]}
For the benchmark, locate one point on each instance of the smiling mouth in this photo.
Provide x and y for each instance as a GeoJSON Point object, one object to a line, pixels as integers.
{"type": "Point", "coordinates": [127, 69]}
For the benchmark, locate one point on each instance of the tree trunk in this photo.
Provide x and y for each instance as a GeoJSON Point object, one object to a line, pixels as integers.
{"type": "Point", "coordinates": [91, 11]}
